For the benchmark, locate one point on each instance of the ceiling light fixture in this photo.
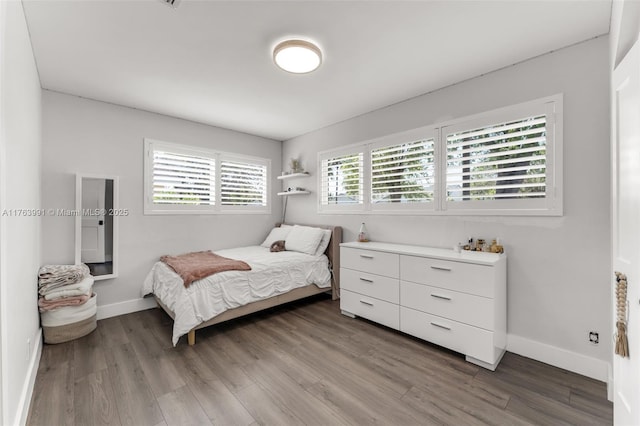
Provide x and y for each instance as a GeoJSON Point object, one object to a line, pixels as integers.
{"type": "Point", "coordinates": [297, 56]}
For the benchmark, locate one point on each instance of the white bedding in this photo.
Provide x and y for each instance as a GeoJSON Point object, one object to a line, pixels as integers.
{"type": "Point", "coordinates": [271, 274]}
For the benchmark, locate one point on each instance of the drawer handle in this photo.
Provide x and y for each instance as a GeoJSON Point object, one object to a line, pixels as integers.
{"type": "Point", "coordinates": [366, 256]}
{"type": "Point", "coordinates": [367, 280]}
{"type": "Point", "coordinates": [437, 296]}
{"type": "Point", "coordinates": [366, 303]}
{"type": "Point", "coordinates": [441, 268]}
{"type": "Point", "coordinates": [435, 324]}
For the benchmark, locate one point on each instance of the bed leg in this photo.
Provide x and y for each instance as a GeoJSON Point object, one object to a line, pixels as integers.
{"type": "Point", "coordinates": [191, 337]}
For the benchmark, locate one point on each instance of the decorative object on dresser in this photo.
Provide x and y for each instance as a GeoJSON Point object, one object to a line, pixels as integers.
{"type": "Point", "coordinates": [455, 300]}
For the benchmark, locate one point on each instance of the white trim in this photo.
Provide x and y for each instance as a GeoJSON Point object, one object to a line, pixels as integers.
{"type": "Point", "coordinates": [24, 402]}
{"type": "Point", "coordinates": [126, 307]}
{"type": "Point", "coordinates": [558, 357]}
{"type": "Point", "coordinates": [609, 382]}
{"type": "Point", "coordinates": [4, 351]}
{"type": "Point", "coordinates": [115, 223]}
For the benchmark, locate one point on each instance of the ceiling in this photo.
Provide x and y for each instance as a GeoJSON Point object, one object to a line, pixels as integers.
{"type": "Point", "coordinates": [211, 61]}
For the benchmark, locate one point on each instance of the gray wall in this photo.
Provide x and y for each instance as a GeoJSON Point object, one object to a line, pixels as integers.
{"type": "Point", "coordinates": [558, 267]}
{"type": "Point", "coordinates": [85, 136]}
{"type": "Point", "coordinates": [20, 141]}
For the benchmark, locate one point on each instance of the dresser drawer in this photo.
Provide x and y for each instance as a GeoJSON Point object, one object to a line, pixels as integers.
{"type": "Point", "coordinates": [465, 277]}
{"type": "Point", "coordinates": [459, 337]}
{"type": "Point", "coordinates": [374, 262]}
{"type": "Point", "coordinates": [368, 307]}
{"type": "Point", "coordinates": [383, 288]}
{"type": "Point", "coordinates": [462, 307]}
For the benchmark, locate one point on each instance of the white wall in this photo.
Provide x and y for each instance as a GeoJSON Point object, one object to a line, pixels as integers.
{"type": "Point", "coordinates": [20, 143]}
{"type": "Point", "coordinates": [558, 267]}
{"type": "Point", "coordinates": [86, 136]}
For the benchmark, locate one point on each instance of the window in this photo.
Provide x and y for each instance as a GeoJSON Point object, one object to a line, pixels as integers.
{"type": "Point", "coordinates": [504, 162]}
{"type": "Point", "coordinates": [187, 180]}
{"type": "Point", "coordinates": [183, 179]}
{"type": "Point", "coordinates": [243, 183]}
{"type": "Point", "coordinates": [403, 173]}
{"type": "Point", "coordinates": [341, 180]}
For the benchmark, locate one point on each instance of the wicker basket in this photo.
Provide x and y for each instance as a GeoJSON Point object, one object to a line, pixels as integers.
{"type": "Point", "coordinates": [64, 333]}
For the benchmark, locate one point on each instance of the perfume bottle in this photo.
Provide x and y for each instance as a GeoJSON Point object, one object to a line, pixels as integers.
{"type": "Point", "coordinates": [363, 237]}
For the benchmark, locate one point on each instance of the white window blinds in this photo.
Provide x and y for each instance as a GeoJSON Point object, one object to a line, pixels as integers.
{"type": "Point", "coordinates": [183, 179]}
{"type": "Point", "coordinates": [341, 179]}
{"type": "Point", "coordinates": [403, 173]}
{"type": "Point", "coordinates": [243, 183]}
{"type": "Point", "coordinates": [502, 161]}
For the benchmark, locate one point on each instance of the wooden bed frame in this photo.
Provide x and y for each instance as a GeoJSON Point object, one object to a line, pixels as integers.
{"type": "Point", "coordinates": [332, 252]}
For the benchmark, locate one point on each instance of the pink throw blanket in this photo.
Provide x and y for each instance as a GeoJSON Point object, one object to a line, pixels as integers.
{"type": "Point", "coordinates": [196, 265]}
{"type": "Point", "coordinates": [49, 305]}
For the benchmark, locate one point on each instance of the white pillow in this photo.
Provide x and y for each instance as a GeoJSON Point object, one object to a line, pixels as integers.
{"type": "Point", "coordinates": [324, 242]}
{"type": "Point", "coordinates": [304, 239]}
{"type": "Point", "coordinates": [276, 234]}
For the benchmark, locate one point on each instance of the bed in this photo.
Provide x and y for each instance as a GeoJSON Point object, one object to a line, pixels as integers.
{"type": "Point", "coordinates": [275, 278]}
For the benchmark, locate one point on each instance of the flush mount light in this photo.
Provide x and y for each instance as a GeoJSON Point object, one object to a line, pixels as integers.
{"type": "Point", "coordinates": [297, 56]}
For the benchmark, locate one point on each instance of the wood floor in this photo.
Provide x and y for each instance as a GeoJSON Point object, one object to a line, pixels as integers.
{"type": "Point", "coordinates": [303, 363]}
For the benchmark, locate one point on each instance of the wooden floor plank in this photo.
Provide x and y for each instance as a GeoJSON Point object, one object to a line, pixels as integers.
{"type": "Point", "coordinates": [265, 409]}
{"type": "Point", "coordinates": [180, 407]}
{"type": "Point", "coordinates": [112, 332]}
{"type": "Point", "coordinates": [586, 401]}
{"type": "Point", "coordinates": [88, 355]}
{"type": "Point", "coordinates": [136, 403]}
{"type": "Point", "coordinates": [224, 367]}
{"type": "Point", "coordinates": [290, 394]}
{"type": "Point", "coordinates": [439, 411]}
{"type": "Point", "coordinates": [220, 405]}
{"type": "Point", "coordinates": [52, 402]}
{"type": "Point", "coordinates": [94, 400]}
{"type": "Point", "coordinates": [301, 363]}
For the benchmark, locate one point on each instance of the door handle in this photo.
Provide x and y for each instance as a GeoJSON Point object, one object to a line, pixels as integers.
{"type": "Point", "coordinates": [101, 222]}
{"type": "Point", "coordinates": [366, 256]}
{"type": "Point", "coordinates": [366, 280]}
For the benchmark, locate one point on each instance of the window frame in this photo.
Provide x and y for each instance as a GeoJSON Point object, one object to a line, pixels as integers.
{"type": "Point", "coordinates": [354, 149]}
{"type": "Point", "coordinates": [550, 205]}
{"type": "Point", "coordinates": [422, 133]}
{"type": "Point", "coordinates": [151, 208]}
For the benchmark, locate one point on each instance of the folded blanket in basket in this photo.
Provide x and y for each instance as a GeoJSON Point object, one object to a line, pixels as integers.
{"type": "Point", "coordinates": [52, 276]}
{"type": "Point", "coordinates": [69, 314]}
{"type": "Point", "coordinates": [70, 290]}
{"type": "Point", "coordinates": [200, 264]}
{"type": "Point", "coordinates": [48, 305]}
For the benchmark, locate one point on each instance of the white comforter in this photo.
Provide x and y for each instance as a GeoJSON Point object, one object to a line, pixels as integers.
{"type": "Point", "coordinates": [271, 274]}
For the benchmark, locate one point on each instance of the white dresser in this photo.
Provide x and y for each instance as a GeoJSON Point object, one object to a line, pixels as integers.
{"type": "Point", "coordinates": [456, 300]}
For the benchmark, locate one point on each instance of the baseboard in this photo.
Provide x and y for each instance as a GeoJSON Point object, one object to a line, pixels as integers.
{"type": "Point", "coordinates": [32, 372]}
{"type": "Point", "coordinates": [609, 382]}
{"type": "Point", "coordinates": [558, 357]}
{"type": "Point", "coordinates": [126, 307]}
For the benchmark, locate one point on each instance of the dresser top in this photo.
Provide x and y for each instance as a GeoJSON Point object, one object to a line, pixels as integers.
{"type": "Point", "coordinates": [480, 258]}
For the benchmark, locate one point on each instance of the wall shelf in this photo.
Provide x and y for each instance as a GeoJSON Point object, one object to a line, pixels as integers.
{"type": "Point", "coordinates": [294, 175]}
{"type": "Point", "coordinates": [294, 193]}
